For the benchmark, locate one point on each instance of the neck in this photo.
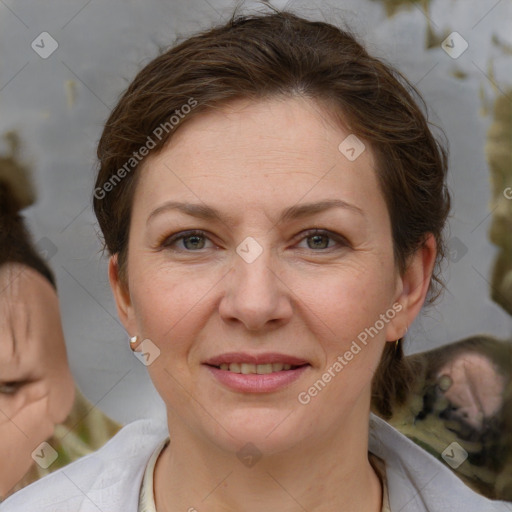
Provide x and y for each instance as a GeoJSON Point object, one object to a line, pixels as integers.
{"type": "Point", "coordinates": [332, 473]}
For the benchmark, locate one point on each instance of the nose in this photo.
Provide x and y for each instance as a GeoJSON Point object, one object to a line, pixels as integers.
{"type": "Point", "coordinates": [255, 295]}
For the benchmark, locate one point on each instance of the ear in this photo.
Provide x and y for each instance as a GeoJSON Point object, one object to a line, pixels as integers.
{"type": "Point", "coordinates": [413, 286]}
{"type": "Point", "coordinates": [121, 296]}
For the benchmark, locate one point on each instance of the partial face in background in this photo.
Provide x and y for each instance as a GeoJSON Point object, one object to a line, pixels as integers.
{"type": "Point", "coordinates": [474, 387]}
{"type": "Point", "coordinates": [259, 282]}
{"type": "Point", "coordinates": [36, 387]}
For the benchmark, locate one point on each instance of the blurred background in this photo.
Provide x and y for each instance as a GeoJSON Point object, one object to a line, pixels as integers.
{"type": "Point", "coordinates": [65, 63]}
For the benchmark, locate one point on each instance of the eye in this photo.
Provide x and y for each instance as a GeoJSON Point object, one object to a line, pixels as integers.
{"type": "Point", "coordinates": [191, 240]}
{"type": "Point", "coordinates": [320, 236]}
{"type": "Point", "coordinates": [194, 240]}
{"type": "Point", "coordinates": [9, 388]}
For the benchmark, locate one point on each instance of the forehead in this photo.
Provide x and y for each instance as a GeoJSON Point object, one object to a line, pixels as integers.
{"type": "Point", "coordinates": [276, 122]}
{"type": "Point", "coordinates": [267, 152]}
{"type": "Point", "coordinates": [27, 304]}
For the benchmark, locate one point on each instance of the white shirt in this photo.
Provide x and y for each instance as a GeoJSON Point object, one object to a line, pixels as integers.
{"type": "Point", "coordinates": [109, 480]}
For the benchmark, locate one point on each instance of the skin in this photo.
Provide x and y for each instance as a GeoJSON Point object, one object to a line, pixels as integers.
{"type": "Point", "coordinates": [36, 386]}
{"type": "Point", "coordinates": [198, 298]}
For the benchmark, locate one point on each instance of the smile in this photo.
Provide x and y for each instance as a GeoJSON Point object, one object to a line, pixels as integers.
{"type": "Point", "coordinates": [260, 369]}
{"type": "Point", "coordinates": [256, 378]}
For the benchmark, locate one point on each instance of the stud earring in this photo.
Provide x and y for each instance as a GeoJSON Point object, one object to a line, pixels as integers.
{"type": "Point", "coordinates": [134, 340]}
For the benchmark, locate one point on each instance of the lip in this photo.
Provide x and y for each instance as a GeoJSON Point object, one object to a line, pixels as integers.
{"type": "Point", "coordinates": [264, 358]}
{"type": "Point", "coordinates": [255, 383]}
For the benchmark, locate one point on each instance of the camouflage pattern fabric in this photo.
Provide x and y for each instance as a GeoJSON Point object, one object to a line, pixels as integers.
{"type": "Point", "coordinates": [480, 454]}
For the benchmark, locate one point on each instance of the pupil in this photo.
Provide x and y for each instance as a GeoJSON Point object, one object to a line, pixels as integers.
{"type": "Point", "coordinates": [196, 237]}
{"type": "Point", "coordinates": [317, 237]}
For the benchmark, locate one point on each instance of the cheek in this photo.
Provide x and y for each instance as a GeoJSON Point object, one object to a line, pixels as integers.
{"type": "Point", "coordinates": [30, 425]}
{"type": "Point", "coordinates": [347, 300]}
{"type": "Point", "coordinates": [168, 305]}
{"type": "Point", "coordinates": [348, 314]}
{"type": "Point", "coordinates": [62, 394]}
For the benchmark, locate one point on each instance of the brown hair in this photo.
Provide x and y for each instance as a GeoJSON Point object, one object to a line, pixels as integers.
{"type": "Point", "coordinates": [280, 54]}
{"type": "Point", "coordinates": [17, 193]}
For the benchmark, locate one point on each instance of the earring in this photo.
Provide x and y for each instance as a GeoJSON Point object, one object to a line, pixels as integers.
{"type": "Point", "coordinates": [134, 340]}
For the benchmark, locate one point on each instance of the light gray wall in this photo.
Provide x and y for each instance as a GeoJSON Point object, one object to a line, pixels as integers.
{"type": "Point", "coordinates": [103, 43]}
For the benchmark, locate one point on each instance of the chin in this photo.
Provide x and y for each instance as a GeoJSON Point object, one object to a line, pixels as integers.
{"type": "Point", "coordinates": [267, 430]}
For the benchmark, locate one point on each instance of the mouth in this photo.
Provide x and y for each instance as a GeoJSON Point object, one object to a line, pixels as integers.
{"type": "Point", "coordinates": [256, 373]}
{"type": "Point", "coordinates": [259, 369]}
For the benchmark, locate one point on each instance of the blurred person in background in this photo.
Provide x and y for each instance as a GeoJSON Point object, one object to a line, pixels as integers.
{"type": "Point", "coordinates": [45, 421]}
{"type": "Point", "coordinates": [462, 393]}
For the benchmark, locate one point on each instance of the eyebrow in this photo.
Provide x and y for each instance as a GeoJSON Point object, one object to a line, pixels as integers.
{"type": "Point", "coordinates": [203, 211]}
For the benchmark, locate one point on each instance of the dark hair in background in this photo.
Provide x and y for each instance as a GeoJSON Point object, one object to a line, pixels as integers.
{"type": "Point", "coordinates": [259, 57]}
{"type": "Point", "coordinates": [16, 244]}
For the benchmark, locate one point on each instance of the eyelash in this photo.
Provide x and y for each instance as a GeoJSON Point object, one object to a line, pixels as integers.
{"type": "Point", "coordinates": [168, 241]}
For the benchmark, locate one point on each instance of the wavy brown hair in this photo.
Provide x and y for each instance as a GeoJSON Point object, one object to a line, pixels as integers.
{"type": "Point", "coordinates": [280, 54]}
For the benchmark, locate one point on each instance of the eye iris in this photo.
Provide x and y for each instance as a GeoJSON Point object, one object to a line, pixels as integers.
{"type": "Point", "coordinates": [317, 237]}
{"type": "Point", "coordinates": [192, 237]}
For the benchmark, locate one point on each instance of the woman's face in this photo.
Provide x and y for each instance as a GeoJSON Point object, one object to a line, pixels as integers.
{"type": "Point", "coordinates": [256, 281]}
{"type": "Point", "coordinates": [36, 386]}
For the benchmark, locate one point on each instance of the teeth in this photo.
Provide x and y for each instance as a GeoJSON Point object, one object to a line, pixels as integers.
{"type": "Point", "coordinates": [260, 369]}
{"type": "Point", "coordinates": [246, 368]}
{"type": "Point", "coordinates": [263, 368]}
